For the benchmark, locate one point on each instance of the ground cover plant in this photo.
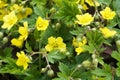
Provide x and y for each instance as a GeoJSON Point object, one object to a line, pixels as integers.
{"type": "Point", "coordinates": [59, 40]}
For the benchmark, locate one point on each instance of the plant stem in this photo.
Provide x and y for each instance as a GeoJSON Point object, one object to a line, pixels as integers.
{"type": "Point", "coordinates": [48, 64]}
{"type": "Point", "coordinates": [78, 66]}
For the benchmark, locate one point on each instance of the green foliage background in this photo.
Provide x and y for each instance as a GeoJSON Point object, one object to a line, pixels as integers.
{"type": "Point", "coordinates": [67, 65]}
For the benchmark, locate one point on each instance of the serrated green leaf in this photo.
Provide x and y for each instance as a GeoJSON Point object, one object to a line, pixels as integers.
{"type": "Point", "coordinates": [55, 56]}
{"type": "Point", "coordinates": [12, 70]}
{"type": "Point", "coordinates": [118, 71]}
{"type": "Point", "coordinates": [8, 51]}
{"type": "Point", "coordinates": [100, 60]}
{"type": "Point", "coordinates": [112, 23]}
{"type": "Point", "coordinates": [62, 76]}
{"type": "Point", "coordinates": [107, 68]}
{"type": "Point", "coordinates": [40, 11]}
{"type": "Point", "coordinates": [64, 33]}
{"type": "Point", "coordinates": [116, 55]}
{"type": "Point", "coordinates": [58, 2]}
{"type": "Point", "coordinates": [64, 13]}
{"type": "Point", "coordinates": [28, 47]}
{"type": "Point", "coordinates": [82, 57]}
{"type": "Point", "coordinates": [64, 68]}
{"type": "Point", "coordinates": [79, 31]}
{"type": "Point", "coordinates": [38, 2]}
{"type": "Point", "coordinates": [106, 2]}
{"type": "Point", "coordinates": [99, 72]}
{"type": "Point", "coordinates": [90, 47]}
{"type": "Point", "coordinates": [108, 77]}
{"type": "Point", "coordinates": [95, 37]}
{"type": "Point", "coordinates": [86, 75]}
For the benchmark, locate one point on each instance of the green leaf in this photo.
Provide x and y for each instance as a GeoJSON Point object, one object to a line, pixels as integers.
{"type": "Point", "coordinates": [29, 49]}
{"type": "Point", "coordinates": [108, 77]}
{"type": "Point", "coordinates": [65, 14]}
{"type": "Point", "coordinates": [90, 47]}
{"type": "Point", "coordinates": [107, 68]}
{"type": "Point", "coordinates": [40, 11]}
{"type": "Point", "coordinates": [48, 33]}
{"type": "Point", "coordinates": [112, 23]}
{"type": "Point", "coordinates": [82, 57]}
{"type": "Point", "coordinates": [8, 51]}
{"type": "Point", "coordinates": [95, 37]}
{"type": "Point", "coordinates": [99, 72]}
{"type": "Point", "coordinates": [10, 67]}
{"type": "Point", "coordinates": [79, 31]}
{"type": "Point", "coordinates": [64, 33]}
{"type": "Point", "coordinates": [116, 4]}
{"type": "Point", "coordinates": [58, 2]}
{"type": "Point", "coordinates": [116, 55]}
{"type": "Point", "coordinates": [105, 72]}
{"type": "Point", "coordinates": [12, 70]}
{"type": "Point", "coordinates": [55, 56]}
{"type": "Point", "coordinates": [118, 71]}
{"type": "Point", "coordinates": [38, 2]}
{"type": "Point", "coordinates": [106, 2]}
{"type": "Point", "coordinates": [100, 60]}
{"type": "Point", "coordinates": [86, 75]}
{"type": "Point", "coordinates": [65, 71]}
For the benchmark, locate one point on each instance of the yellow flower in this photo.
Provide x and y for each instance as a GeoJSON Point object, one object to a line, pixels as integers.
{"type": "Point", "coordinates": [3, 12]}
{"type": "Point", "coordinates": [18, 42]}
{"type": "Point", "coordinates": [21, 12]}
{"type": "Point", "coordinates": [84, 6]}
{"type": "Point", "coordinates": [9, 20]}
{"type": "Point", "coordinates": [91, 3]}
{"type": "Point", "coordinates": [22, 60]}
{"type": "Point", "coordinates": [78, 45]}
{"type": "Point", "coordinates": [82, 3]}
{"type": "Point", "coordinates": [2, 4]}
{"type": "Point", "coordinates": [16, 8]}
{"type": "Point", "coordinates": [79, 50]}
{"type": "Point", "coordinates": [41, 24]}
{"type": "Point", "coordinates": [84, 19]}
{"type": "Point", "coordinates": [28, 11]}
{"type": "Point", "coordinates": [107, 33]}
{"type": "Point", "coordinates": [24, 13]}
{"type": "Point", "coordinates": [107, 13]}
{"type": "Point", "coordinates": [75, 42]}
{"type": "Point", "coordinates": [55, 44]}
{"type": "Point", "coordinates": [24, 30]}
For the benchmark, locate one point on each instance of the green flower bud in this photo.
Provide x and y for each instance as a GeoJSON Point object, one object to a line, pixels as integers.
{"type": "Point", "coordinates": [96, 17]}
{"type": "Point", "coordinates": [52, 10]}
{"type": "Point", "coordinates": [53, 26]}
{"type": "Point", "coordinates": [97, 23]}
{"type": "Point", "coordinates": [86, 64]}
{"type": "Point", "coordinates": [50, 73]}
{"type": "Point", "coordinates": [79, 66]}
{"type": "Point", "coordinates": [43, 70]}
{"type": "Point", "coordinates": [1, 34]}
{"type": "Point", "coordinates": [43, 50]}
{"type": "Point", "coordinates": [67, 53]}
{"type": "Point", "coordinates": [13, 1]}
{"type": "Point", "coordinates": [5, 40]}
{"type": "Point", "coordinates": [57, 26]}
{"type": "Point", "coordinates": [118, 43]}
{"type": "Point", "coordinates": [95, 62]}
{"type": "Point", "coordinates": [23, 10]}
{"type": "Point", "coordinates": [93, 29]}
{"type": "Point", "coordinates": [93, 56]}
{"type": "Point", "coordinates": [78, 38]}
